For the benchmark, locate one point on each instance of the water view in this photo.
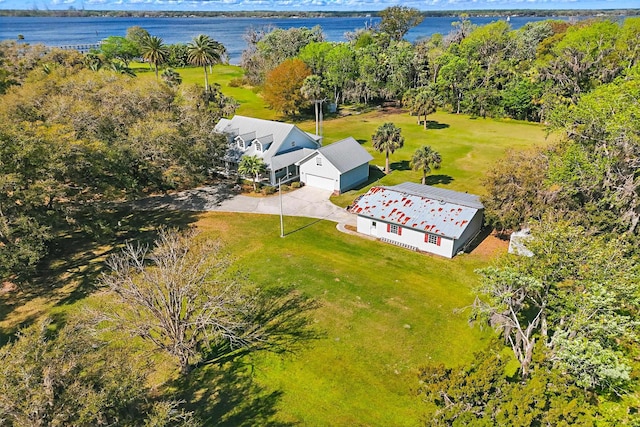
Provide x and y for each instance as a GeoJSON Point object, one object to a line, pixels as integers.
{"type": "Point", "coordinates": [58, 31]}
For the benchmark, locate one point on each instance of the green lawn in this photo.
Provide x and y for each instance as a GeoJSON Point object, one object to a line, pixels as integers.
{"type": "Point", "coordinates": [386, 311]}
{"type": "Point", "coordinates": [469, 146]}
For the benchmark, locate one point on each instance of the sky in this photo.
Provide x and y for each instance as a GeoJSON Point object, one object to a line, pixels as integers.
{"type": "Point", "coordinates": [313, 5]}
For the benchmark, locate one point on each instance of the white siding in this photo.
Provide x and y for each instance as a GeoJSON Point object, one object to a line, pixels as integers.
{"type": "Point", "coordinates": [323, 175]}
{"type": "Point", "coordinates": [408, 237]}
{"type": "Point", "coordinates": [301, 140]}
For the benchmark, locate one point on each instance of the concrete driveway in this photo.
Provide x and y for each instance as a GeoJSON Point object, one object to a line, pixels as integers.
{"type": "Point", "coordinates": [305, 201]}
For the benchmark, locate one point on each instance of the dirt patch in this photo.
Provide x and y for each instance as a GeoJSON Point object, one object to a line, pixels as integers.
{"type": "Point", "coordinates": [7, 287]}
{"type": "Point", "coordinates": [388, 109]}
{"type": "Point", "coordinates": [492, 245]}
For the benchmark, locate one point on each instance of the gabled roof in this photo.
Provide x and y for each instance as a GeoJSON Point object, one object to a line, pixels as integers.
{"type": "Point", "coordinates": [281, 160]}
{"type": "Point", "coordinates": [345, 155]}
{"type": "Point", "coordinates": [421, 207]}
{"type": "Point", "coordinates": [272, 134]}
{"type": "Point", "coordinates": [456, 197]}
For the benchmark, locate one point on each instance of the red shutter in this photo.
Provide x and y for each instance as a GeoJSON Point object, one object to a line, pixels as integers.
{"type": "Point", "coordinates": [399, 231]}
{"type": "Point", "coordinates": [438, 241]}
{"type": "Point", "coordinates": [426, 237]}
{"type": "Point", "coordinates": [388, 228]}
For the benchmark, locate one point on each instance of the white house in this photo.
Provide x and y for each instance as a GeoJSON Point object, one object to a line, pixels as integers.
{"type": "Point", "coordinates": [279, 145]}
{"type": "Point", "coordinates": [337, 167]}
{"type": "Point", "coordinates": [420, 217]}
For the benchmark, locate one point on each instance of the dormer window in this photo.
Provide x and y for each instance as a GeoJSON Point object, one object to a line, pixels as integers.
{"type": "Point", "coordinates": [293, 143]}
{"type": "Point", "coordinates": [258, 146]}
{"type": "Point", "coordinates": [240, 143]}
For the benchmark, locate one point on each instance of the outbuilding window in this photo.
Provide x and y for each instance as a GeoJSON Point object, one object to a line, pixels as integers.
{"type": "Point", "coordinates": [432, 238]}
{"type": "Point", "coordinates": [394, 229]}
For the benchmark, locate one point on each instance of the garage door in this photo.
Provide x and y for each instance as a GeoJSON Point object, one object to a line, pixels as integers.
{"type": "Point", "coordinates": [320, 182]}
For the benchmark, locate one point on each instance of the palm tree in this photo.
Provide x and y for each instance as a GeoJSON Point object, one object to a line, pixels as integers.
{"type": "Point", "coordinates": [313, 91]}
{"type": "Point", "coordinates": [251, 165]}
{"type": "Point", "coordinates": [121, 68]}
{"type": "Point", "coordinates": [423, 105]}
{"type": "Point", "coordinates": [203, 51]}
{"type": "Point", "coordinates": [154, 51]}
{"type": "Point", "coordinates": [387, 139]}
{"type": "Point", "coordinates": [171, 77]}
{"type": "Point", "coordinates": [425, 159]}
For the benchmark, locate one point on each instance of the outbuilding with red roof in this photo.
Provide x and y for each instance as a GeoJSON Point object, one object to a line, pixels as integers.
{"type": "Point", "coordinates": [420, 217]}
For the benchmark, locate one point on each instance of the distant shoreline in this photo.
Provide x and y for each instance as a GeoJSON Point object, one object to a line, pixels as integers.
{"type": "Point", "coordinates": [311, 14]}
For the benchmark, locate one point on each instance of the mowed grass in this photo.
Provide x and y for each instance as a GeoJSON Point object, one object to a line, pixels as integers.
{"type": "Point", "coordinates": [469, 146]}
{"type": "Point", "coordinates": [385, 312]}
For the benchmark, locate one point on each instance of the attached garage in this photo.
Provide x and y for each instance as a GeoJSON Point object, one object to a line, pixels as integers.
{"type": "Point", "coordinates": [337, 167]}
{"type": "Point", "coordinates": [320, 182]}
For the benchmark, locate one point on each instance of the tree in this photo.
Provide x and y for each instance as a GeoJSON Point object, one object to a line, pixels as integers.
{"type": "Point", "coordinates": [282, 86]}
{"type": "Point", "coordinates": [313, 91]}
{"type": "Point", "coordinates": [422, 104]}
{"type": "Point", "coordinates": [387, 139]}
{"type": "Point", "coordinates": [516, 189]}
{"type": "Point", "coordinates": [203, 51]}
{"type": "Point", "coordinates": [582, 60]}
{"type": "Point", "coordinates": [270, 47]}
{"type": "Point", "coordinates": [253, 166]}
{"type": "Point", "coordinates": [481, 393]}
{"type": "Point", "coordinates": [154, 51]}
{"type": "Point", "coordinates": [425, 159]}
{"type": "Point", "coordinates": [178, 55]}
{"type": "Point", "coordinates": [171, 77]}
{"type": "Point", "coordinates": [137, 35]}
{"type": "Point", "coordinates": [183, 298]}
{"type": "Point", "coordinates": [68, 377]}
{"type": "Point", "coordinates": [398, 20]}
{"type": "Point", "coordinates": [576, 297]}
{"type": "Point", "coordinates": [341, 69]}
{"type": "Point", "coordinates": [315, 56]}
{"type": "Point", "coordinates": [597, 169]}
{"type": "Point", "coordinates": [115, 47]}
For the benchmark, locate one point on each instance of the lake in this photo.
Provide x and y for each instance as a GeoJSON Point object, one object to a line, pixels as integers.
{"type": "Point", "coordinates": [59, 31]}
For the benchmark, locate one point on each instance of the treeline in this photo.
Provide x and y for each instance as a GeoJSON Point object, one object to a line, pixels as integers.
{"type": "Point", "coordinates": [77, 134]}
{"type": "Point", "coordinates": [489, 70]}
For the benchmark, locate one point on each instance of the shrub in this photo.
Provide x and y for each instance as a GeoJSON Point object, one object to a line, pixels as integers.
{"type": "Point", "coordinates": [296, 184]}
{"type": "Point", "coordinates": [268, 190]}
{"type": "Point", "coordinates": [237, 82]}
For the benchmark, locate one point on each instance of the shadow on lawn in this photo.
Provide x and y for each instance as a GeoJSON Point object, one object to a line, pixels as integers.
{"type": "Point", "coordinates": [222, 392]}
{"type": "Point", "coordinates": [227, 396]}
{"type": "Point", "coordinates": [76, 258]}
{"type": "Point", "coordinates": [439, 179]}
{"type": "Point", "coordinates": [402, 165]}
{"type": "Point", "coordinates": [432, 124]}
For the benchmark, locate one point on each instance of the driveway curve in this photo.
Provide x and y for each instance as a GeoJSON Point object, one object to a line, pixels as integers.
{"type": "Point", "coordinates": [306, 201]}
